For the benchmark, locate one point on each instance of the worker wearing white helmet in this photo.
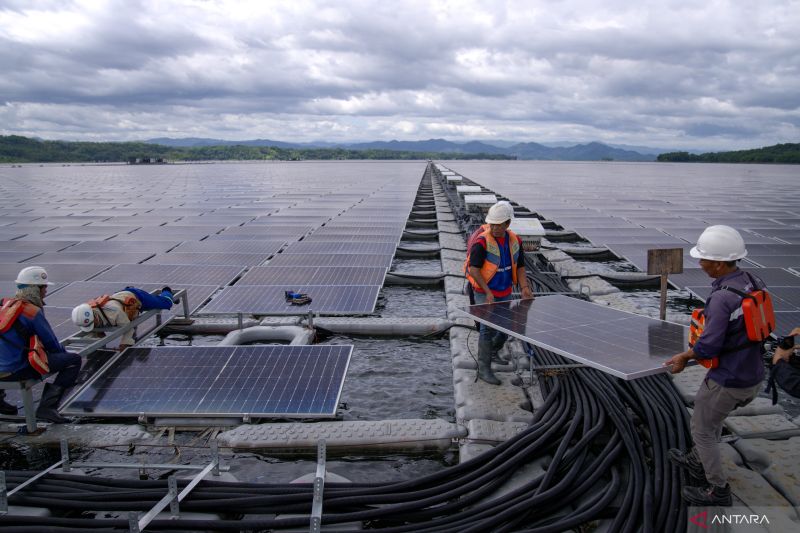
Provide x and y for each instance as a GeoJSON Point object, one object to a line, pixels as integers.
{"type": "Point", "coordinates": [119, 309]}
{"type": "Point", "coordinates": [28, 347]}
{"type": "Point", "coordinates": [735, 380]}
{"type": "Point", "coordinates": [494, 264]}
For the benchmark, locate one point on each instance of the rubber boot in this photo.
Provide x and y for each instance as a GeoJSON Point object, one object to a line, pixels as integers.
{"type": "Point", "coordinates": [710, 495]}
{"type": "Point", "coordinates": [485, 362]}
{"type": "Point", "coordinates": [48, 405]}
{"type": "Point", "coordinates": [5, 407]}
{"type": "Point", "coordinates": [497, 345]}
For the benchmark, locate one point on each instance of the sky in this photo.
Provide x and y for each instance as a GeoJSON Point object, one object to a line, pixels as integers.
{"type": "Point", "coordinates": [676, 74]}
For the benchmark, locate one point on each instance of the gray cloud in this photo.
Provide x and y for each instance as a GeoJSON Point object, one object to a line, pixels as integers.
{"type": "Point", "coordinates": [673, 74]}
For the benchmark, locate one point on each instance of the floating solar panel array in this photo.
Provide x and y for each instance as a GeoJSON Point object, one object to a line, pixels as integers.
{"type": "Point", "coordinates": [202, 227]}
{"type": "Point", "coordinates": [632, 208]}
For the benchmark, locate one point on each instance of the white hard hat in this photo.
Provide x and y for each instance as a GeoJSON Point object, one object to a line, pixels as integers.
{"type": "Point", "coordinates": [83, 317]}
{"type": "Point", "coordinates": [499, 213]}
{"type": "Point", "coordinates": [719, 243]}
{"type": "Point", "coordinates": [32, 276]}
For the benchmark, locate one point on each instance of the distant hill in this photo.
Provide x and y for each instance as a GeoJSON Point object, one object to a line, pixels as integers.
{"type": "Point", "coordinates": [788, 153]}
{"type": "Point", "coordinates": [580, 152]}
{"type": "Point", "coordinates": [18, 149]}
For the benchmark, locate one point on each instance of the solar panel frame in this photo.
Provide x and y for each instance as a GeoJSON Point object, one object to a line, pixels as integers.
{"type": "Point", "coordinates": [146, 382]}
{"type": "Point", "coordinates": [231, 246]}
{"type": "Point", "coordinates": [622, 344]}
{"type": "Point", "coordinates": [91, 257]}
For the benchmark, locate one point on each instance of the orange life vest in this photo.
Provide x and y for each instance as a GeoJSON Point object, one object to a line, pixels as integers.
{"type": "Point", "coordinates": [130, 304]}
{"type": "Point", "coordinates": [9, 313]}
{"type": "Point", "coordinates": [492, 263]}
{"type": "Point", "coordinates": [759, 320]}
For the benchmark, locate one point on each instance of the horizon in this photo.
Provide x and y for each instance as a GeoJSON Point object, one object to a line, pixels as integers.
{"type": "Point", "coordinates": [648, 75]}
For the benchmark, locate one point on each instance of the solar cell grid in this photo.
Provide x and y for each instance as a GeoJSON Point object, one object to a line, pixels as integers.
{"type": "Point", "coordinates": [343, 237]}
{"type": "Point", "coordinates": [622, 344]}
{"type": "Point", "coordinates": [171, 274]}
{"type": "Point", "coordinates": [332, 260]}
{"type": "Point", "coordinates": [91, 257]}
{"type": "Point", "coordinates": [17, 256]}
{"type": "Point", "coordinates": [190, 258]}
{"type": "Point", "coordinates": [314, 275]}
{"type": "Point", "coordinates": [34, 246]}
{"type": "Point", "coordinates": [261, 381]}
{"type": "Point", "coordinates": [232, 246]}
{"type": "Point", "coordinates": [373, 248]}
{"type": "Point", "coordinates": [113, 245]}
{"type": "Point", "coordinates": [771, 276]}
{"type": "Point", "coordinates": [778, 261]}
{"type": "Point", "coordinates": [270, 299]}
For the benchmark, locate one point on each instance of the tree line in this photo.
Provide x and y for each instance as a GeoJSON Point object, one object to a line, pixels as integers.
{"type": "Point", "coordinates": [18, 149]}
{"type": "Point", "coordinates": [788, 153]}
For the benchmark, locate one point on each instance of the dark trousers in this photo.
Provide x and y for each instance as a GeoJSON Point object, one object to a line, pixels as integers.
{"type": "Point", "coordinates": [66, 364]}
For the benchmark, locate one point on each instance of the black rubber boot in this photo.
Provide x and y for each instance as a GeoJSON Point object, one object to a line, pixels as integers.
{"type": "Point", "coordinates": [485, 362]}
{"type": "Point", "coordinates": [48, 405]}
{"type": "Point", "coordinates": [690, 463]}
{"type": "Point", "coordinates": [5, 407]}
{"type": "Point", "coordinates": [710, 495]}
{"type": "Point", "coordinates": [497, 345]}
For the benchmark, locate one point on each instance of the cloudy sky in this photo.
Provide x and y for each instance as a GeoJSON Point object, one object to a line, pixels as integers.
{"type": "Point", "coordinates": [671, 73]}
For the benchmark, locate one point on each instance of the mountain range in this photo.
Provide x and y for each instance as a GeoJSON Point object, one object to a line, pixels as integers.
{"type": "Point", "coordinates": [593, 151]}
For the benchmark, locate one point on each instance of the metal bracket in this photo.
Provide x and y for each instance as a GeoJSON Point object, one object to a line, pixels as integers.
{"type": "Point", "coordinates": [174, 504]}
{"type": "Point", "coordinates": [65, 466]}
{"type": "Point", "coordinates": [319, 486]}
{"type": "Point", "coordinates": [3, 495]}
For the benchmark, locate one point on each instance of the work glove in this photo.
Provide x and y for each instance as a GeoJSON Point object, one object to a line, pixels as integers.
{"type": "Point", "coordinates": [166, 292]}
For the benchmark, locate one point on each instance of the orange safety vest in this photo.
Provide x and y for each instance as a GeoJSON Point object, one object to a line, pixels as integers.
{"type": "Point", "coordinates": [9, 313]}
{"type": "Point", "coordinates": [492, 263]}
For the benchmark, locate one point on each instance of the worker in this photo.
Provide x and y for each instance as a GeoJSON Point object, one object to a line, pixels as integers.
{"type": "Point", "coordinates": [30, 350]}
{"type": "Point", "coordinates": [739, 371]}
{"type": "Point", "coordinates": [785, 367]}
{"type": "Point", "coordinates": [120, 309]}
{"type": "Point", "coordinates": [494, 264]}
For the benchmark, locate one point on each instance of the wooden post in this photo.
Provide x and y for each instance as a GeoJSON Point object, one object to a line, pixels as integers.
{"type": "Point", "coordinates": [661, 262]}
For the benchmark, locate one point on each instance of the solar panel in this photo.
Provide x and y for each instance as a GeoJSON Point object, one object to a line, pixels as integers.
{"type": "Point", "coordinates": [152, 247]}
{"type": "Point", "coordinates": [91, 257]}
{"type": "Point", "coordinates": [270, 300]}
{"type": "Point", "coordinates": [83, 291]}
{"type": "Point", "coordinates": [777, 261]}
{"type": "Point", "coordinates": [60, 272]}
{"type": "Point", "coordinates": [240, 246]}
{"type": "Point", "coordinates": [176, 258]}
{"type": "Point", "coordinates": [356, 248]}
{"type": "Point", "coordinates": [34, 246]}
{"type": "Point", "coordinates": [637, 253]}
{"type": "Point", "coordinates": [773, 249]}
{"type": "Point", "coordinates": [332, 260]}
{"type": "Point", "coordinates": [783, 298]}
{"type": "Point", "coordinates": [618, 343]}
{"type": "Point", "coordinates": [8, 288]}
{"type": "Point", "coordinates": [786, 321]}
{"type": "Point", "coordinates": [771, 276]}
{"type": "Point", "coordinates": [340, 237]}
{"type": "Point", "coordinates": [177, 275]}
{"type": "Point", "coordinates": [314, 275]}
{"type": "Point", "coordinates": [16, 257]}
{"type": "Point", "coordinates": [259, 381]}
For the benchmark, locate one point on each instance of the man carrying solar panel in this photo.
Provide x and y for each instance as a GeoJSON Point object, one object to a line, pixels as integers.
{"type": "Point", "coordinates": [120, 309]}
{"type": "Point", "coordinates": [735, 362]}
{"type": "Point", "coordinates": [30, 350]}
{"type": "Point", "coordinates": [495, 263]}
